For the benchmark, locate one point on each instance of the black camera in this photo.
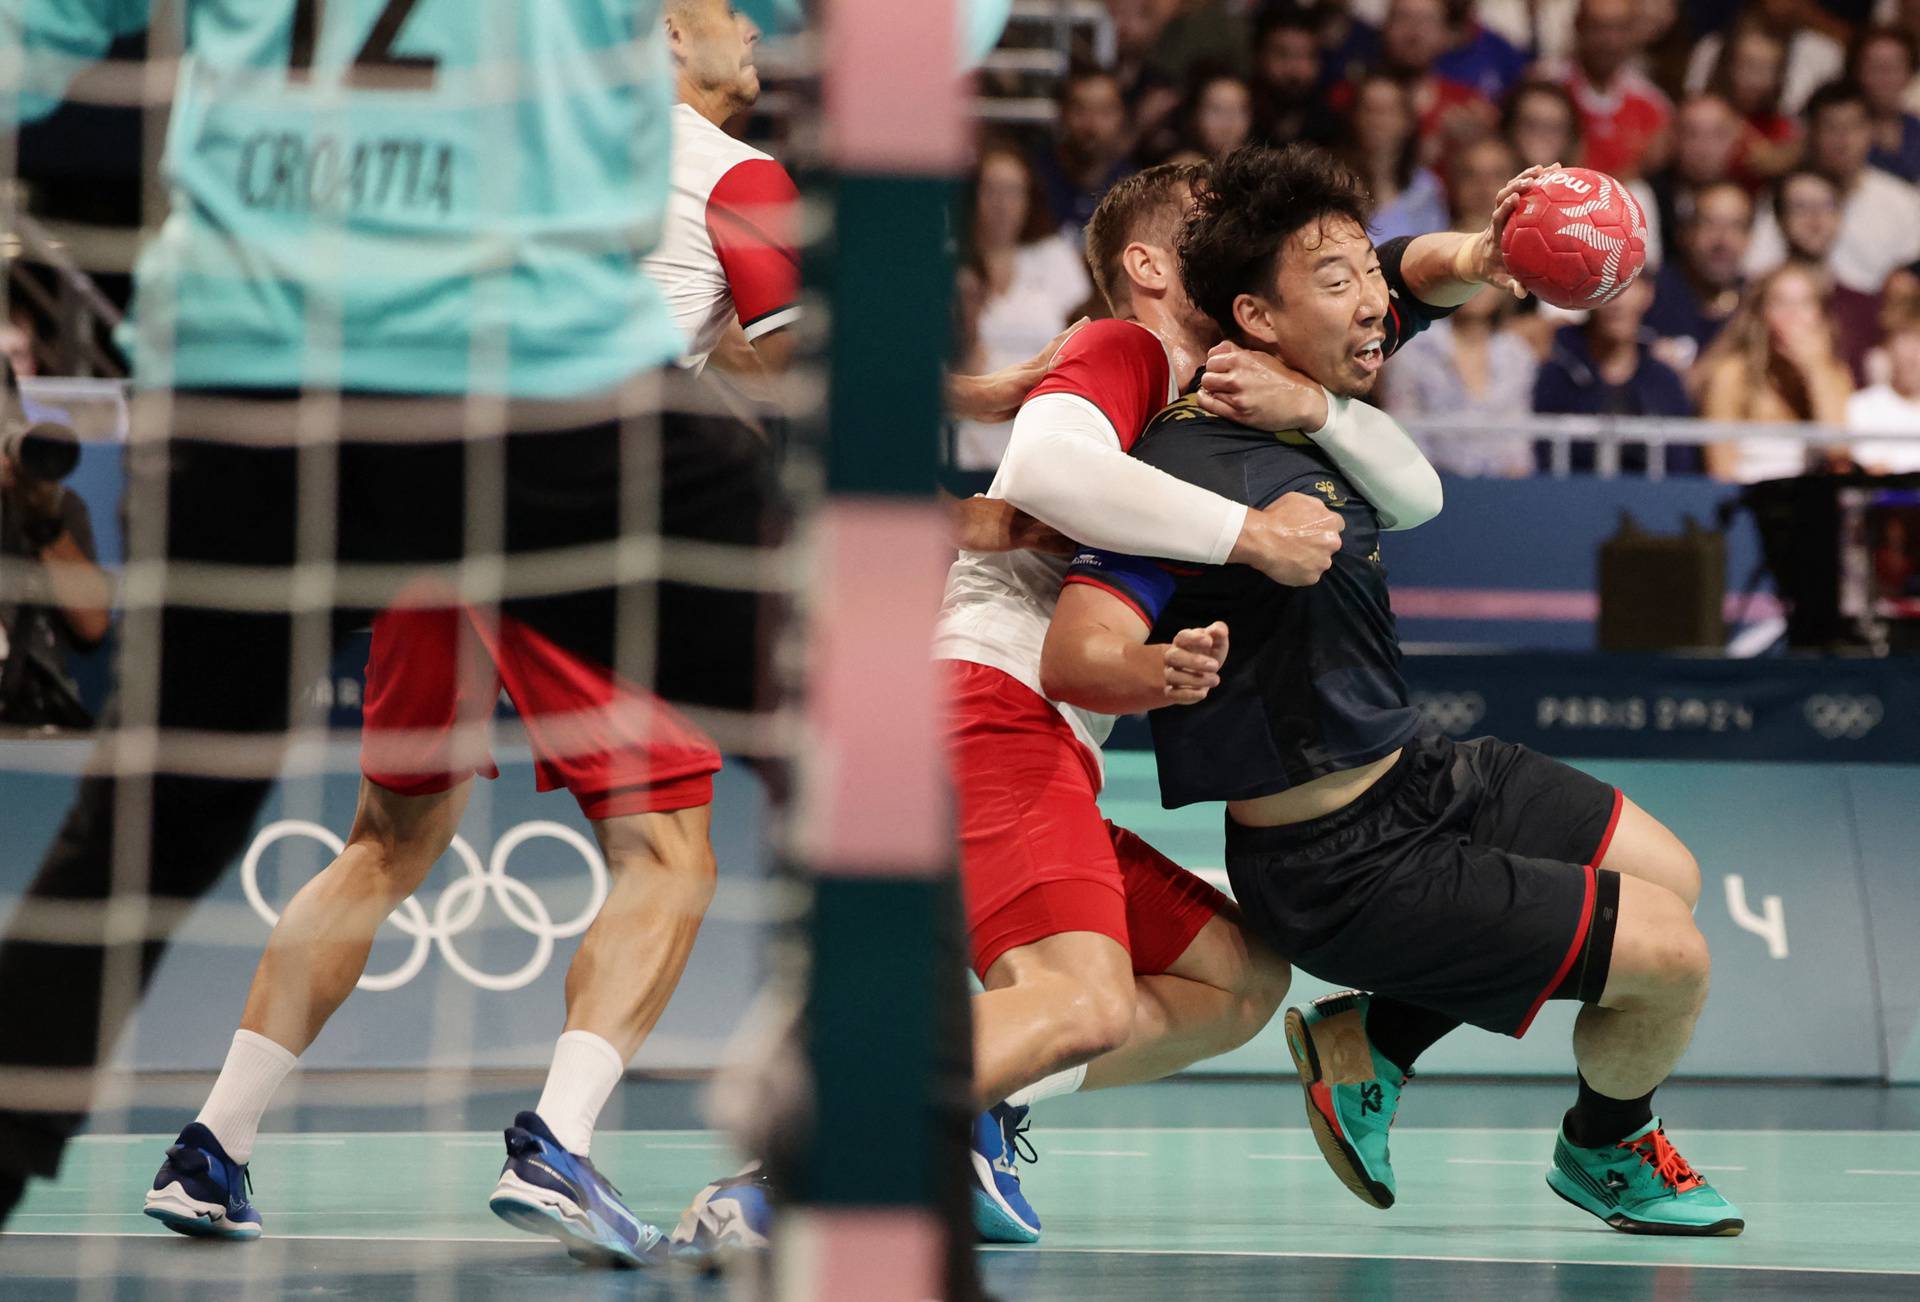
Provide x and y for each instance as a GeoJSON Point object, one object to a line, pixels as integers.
{"type": "Point", "coordinates": [47, 451]}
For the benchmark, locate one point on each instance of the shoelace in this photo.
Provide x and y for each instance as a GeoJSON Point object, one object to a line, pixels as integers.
{"type": "Point", "coordinates": [1015, 1137]}
{"type": "Point", "coordinates": [1658, 1152]}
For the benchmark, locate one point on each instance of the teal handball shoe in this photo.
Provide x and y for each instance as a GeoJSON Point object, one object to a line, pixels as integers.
{"type": "Point", "coordinates": [1352, 1092]}
{"type": "Point", "coordinates": [1641, 1185]}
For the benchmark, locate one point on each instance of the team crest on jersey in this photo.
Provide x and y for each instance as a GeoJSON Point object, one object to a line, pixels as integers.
{"type": "Point", "coordinates": [1331, 491]}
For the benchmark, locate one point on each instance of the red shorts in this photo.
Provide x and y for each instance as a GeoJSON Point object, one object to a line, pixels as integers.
{"type": "Point", "coordinates": [434, 674]}
{"type": "Point", "coordinates": [1036, 857]}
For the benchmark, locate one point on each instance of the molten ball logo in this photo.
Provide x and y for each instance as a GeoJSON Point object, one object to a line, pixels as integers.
{"type": "Point", "coordinates": [1577, 239]}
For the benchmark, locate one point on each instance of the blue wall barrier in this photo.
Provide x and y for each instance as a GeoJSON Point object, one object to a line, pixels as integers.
{"type": "Point", "coordinates": [1793, 782]}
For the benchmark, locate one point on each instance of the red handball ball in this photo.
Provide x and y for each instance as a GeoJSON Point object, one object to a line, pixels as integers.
{"type": "Point", "coordinates": [1577, 239]}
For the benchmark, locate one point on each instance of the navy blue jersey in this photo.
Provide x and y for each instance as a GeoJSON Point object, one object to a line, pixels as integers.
{"type": "Point", "coordinates": [1312, 683]}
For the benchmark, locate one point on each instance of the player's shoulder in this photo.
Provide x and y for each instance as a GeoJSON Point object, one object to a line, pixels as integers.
{"type": "Point", "coordinates": [1113, 337]}
{"type": "Point", "coordinates": [703, 153]}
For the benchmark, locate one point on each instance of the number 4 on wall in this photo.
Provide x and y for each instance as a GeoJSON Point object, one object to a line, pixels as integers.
{"type": "Point", "coordinates": [376, 66]}
{"type": "Point", "coordinates": [1770, 924]}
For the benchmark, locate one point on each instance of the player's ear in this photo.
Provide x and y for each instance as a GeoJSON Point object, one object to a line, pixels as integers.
{"type": "Point", "coordinates": [676, 36]}
{"type": "Point", "coordinates": [1254, 316]}
{"type": "Point", "coordinates": [1145, 266]}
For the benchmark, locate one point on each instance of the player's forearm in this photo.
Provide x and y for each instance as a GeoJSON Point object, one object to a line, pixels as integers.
{"type": "Point", "coordinates": [1076, 481]}
{"type": "Point", "coordinates": [1382, 461]}
{"type": "Point", "coordinates": [1445, 268]}
{"type": "Point", "coordinates": [1099, 669]}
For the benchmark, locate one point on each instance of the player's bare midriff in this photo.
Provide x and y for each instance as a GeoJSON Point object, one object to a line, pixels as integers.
{"type": "Point", "coordinates": [1311, 800]}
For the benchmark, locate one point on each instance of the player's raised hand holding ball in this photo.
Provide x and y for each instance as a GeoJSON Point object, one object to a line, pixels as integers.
{"type": "Point", "coordinates": [1569, 235]}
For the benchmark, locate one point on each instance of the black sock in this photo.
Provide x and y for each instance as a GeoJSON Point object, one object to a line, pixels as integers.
{"type": "Point", "coordinates": [13, 1186]}
{"type": "Point", "coordinates": [1595, 1120]}
{"type": "Point", "coordinates": [1402, 1032]}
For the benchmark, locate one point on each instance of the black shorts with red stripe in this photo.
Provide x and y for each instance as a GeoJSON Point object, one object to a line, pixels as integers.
{"type": "Point", "coordinates": [1466, 880]}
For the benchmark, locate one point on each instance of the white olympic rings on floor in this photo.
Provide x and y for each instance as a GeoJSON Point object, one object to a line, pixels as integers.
{"type": "Point", "coordinates": [458, 907]}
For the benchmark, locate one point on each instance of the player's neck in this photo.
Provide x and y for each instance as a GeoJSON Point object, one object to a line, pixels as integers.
{"type": "Point", "coordinates": [1186, 349]}
{"type": "Point", "coordinates": [716, 106]}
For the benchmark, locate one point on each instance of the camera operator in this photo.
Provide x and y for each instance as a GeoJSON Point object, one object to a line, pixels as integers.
{"type": "Point", "coordinates": [54, 599]}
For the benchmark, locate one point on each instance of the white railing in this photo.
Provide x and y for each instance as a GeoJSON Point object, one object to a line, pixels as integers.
{"type": "Point", "coordinates": [1609, 433]}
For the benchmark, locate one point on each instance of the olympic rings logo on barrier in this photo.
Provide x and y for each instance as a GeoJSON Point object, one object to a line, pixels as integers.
{"type": "Point", "coordinates": [458, 907]}
{"type": "Point", "coordinates": [1844, 717]}
{"type": "Point", "coordinates": [1454, 713]}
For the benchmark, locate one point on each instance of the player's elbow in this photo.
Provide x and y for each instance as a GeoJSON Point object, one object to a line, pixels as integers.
{"type": "Point", "coordinates": [1063, 673]}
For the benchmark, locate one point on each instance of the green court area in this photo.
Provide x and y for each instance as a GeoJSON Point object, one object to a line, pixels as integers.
{"type": "Point", "coordinates": [1135, 1207]}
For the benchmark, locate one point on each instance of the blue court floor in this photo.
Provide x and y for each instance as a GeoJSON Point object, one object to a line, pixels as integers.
{"type": "Point", "coordinates": [1188, 1190]}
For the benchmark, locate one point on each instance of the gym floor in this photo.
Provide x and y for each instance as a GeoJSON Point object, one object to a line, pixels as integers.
{"type": "Point", "coordinates": [1199, 1189]}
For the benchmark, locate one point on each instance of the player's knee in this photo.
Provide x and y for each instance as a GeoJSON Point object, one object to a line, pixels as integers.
{"type": "Point", "coordinates": [1099, 1018]}
{"type": "Point", "coordinates": [1678, 964]}
{"type": "Point", "coordinates": [1258, 998]}
{"type": "Point", "coordinates": [1683, 875]}
{"type": "Point", "coordinates": [389, 862]}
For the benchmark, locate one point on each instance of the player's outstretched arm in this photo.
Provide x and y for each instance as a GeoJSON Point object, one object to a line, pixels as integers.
{"type": "Point", "coordinates": [997, 395]}
{"type": "Point", "coordinates": [1372, 450]}
{"type": "Point", "coordinates": [1447, 268]}
{"type": "Point", "coordinates": [991, 524]}
{"type": "Point", "coordinates": [1097, 657]}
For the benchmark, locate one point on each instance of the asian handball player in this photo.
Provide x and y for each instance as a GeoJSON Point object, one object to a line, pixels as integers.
{"type": "Point", "coordinates": [1104, 963]}
{"type": "Point", "coordinates": [1457, 882]}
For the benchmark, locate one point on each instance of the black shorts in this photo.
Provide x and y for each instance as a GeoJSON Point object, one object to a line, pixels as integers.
{"type": "Point", "coordinates": [1462, 881]}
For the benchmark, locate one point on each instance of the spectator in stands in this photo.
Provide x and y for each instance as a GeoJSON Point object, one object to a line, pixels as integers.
{"type": "Point", "coordinates": [1813, 52]}
{"type": "Point", "coordinates": [1776, 360]}
{"type": "Point", "coordinates": [1150, 92]}
{"type": "Point", "coordinates": [55, 600]}
{"type": "Point", "coordinates": [1287, 103]}
{"type": "Point", "coordinates": [1542, 26]}
{"type": "Point", "coordinates": [1479, 57]}
{"type": "Point", "coordinates": [1413, 37]}
{"type": "Point", "coordinates": [1383, 147]}
{"type": "Point", "coordinates": [1349, 47]}
{"type": "Point", "coordinates": [1707, 136]}
{"type": "Point", "coordinates": [1606, 367]}
{"type": "Point", "coordinates": [1623, 116]}
{"type": "Point", "coordinates": [1467, 367]}
{"type": "Point", "coordinates": [17, 343]}
{"type": "Point", "coordinates": [1883, 63]}
{"type": "Point", "coordinates": [1542, 123]}
{"type": "Point", "coordinates": [1879, 213]}
{"type": "Point", "coordinates": [1475, 174]}
{"type": "Point", "coordinates": [1217, 117]}
{"type": "Point", "coordinates": [1094, 138]}
{"type": "Point", "coordinates": [1892, 407]}
{"type": "Point", "coordinates": [1748, 74]}
{"type": "Point", "coordinates": [1806, 206]}
{"type": "Point", "coordinates": [1698, 288]}
{"type": "Point", "coordinates": [1024, 274]}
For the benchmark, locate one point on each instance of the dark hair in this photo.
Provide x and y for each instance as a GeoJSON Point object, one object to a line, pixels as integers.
{"type": "Point", "coordinates": [1797, 174]}
{"type": "Point", "coordinates": [1040, 221]}
{"type": "Point", "coordinates": [1247, 208]}
{"type": "Point", "coordinates": [1720, 79]}
{"type": "Point", "coordinates": [1285, 16]}
{"type": "Point", "coordinates": [1836, 93]}
{"type": "Point", "coordinates": [1147, 206]}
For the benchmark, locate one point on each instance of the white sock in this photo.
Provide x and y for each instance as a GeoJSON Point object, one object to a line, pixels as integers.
{"type": "Point", "coordinates": [254, 1068]}
{"type": "Point", "coordinates": [1050, 1087]}
{"type": "Point", "coordinates": [585, 1070]}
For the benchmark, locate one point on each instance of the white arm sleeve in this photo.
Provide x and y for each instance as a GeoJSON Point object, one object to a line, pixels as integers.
{"type": "Point", "coordinates": [1064, 467]}
{"type": "Point", "coordinates": [1382, 461]}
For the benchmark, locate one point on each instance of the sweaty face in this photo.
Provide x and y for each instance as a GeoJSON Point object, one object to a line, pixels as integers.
{"type": "Point", "coordinates": [719, 47]}
{"type": "Point", "coordinates": [1327, 306]}
{"type": "Point", "coordinates": [1810, 216]}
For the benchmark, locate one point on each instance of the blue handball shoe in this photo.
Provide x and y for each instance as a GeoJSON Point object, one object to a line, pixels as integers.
{"type": "Point", "coordinates": [545, 1189]}
{"type": "Point", "coordinates": [730, 1215]}
{"type": "Point", "coordinates": [203, 1192]}
{"type": "Point", "coordinates": [1001, 1213]}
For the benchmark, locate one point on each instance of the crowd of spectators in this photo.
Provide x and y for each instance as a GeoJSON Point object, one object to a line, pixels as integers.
{"type": "Point", "coordinates": [1774, 145]}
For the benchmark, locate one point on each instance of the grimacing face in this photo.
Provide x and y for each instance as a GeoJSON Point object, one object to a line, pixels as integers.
{"type": "Point", "coordinates": [1325, 311]}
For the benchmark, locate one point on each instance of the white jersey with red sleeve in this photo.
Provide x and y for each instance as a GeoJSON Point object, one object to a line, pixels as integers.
{"type": "Point", "coordinates": [1068, 455]}
{"type": "Point", "coordinates": [727, 248]}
